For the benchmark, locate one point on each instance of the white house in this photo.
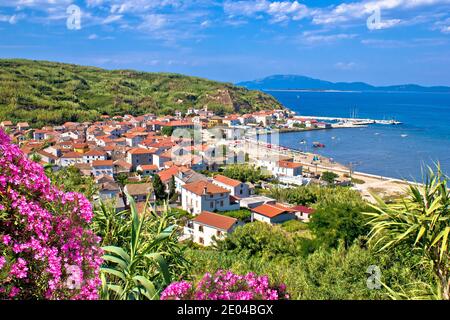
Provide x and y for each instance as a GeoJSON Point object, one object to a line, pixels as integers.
{"type": "Point", "coordinates": [273, 213]}
{"type": "Point", "coordinates": [187, 176]}
{"type": "Point", "coordinates": [93, 155]}
{"type": "Point", "coordinates": [70, 158]}
{"type": "Point", "coordinates": [237, 188]}
{"type": "Point", "coordinates": [102, 167]}
{"type": "Point", "coordinates": [205, 196]}
{"type": "Point", "coordinates": [287, 168]}
{"type": "Point", "coordinates": [140, 191]}
{"type": "Point", "coordinates": [147, 169]}
{"type": "Point", "coordinates": [303, 213]}
{"type": "Point", "coordinates": [140, 156]}
{"type": "Point", "coordinates": [208, 226]}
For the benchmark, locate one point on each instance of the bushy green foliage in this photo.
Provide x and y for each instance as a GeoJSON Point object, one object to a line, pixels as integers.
{"type": "Point", "coordinates": [242, 214]}
{"type": "Point", "coordinates": [244, 173]}
{"type": "Point", "coordinates": [70, 179]}
{"type": "Point", "coordinates": [329, 177]}
{"type": "Point", "coordinates": [325, 274]}
{"type": "Point", "coordinates": [46, 93]}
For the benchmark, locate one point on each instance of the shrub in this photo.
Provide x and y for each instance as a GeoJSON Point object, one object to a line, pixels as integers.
{"type": "Point", "coordinates": [46, 248]}
{"type": "Point", "coordinates": [225, 285]}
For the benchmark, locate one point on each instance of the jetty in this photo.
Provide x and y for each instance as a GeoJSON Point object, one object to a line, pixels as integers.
{"type": "Point", "coordinates": [355, 121]}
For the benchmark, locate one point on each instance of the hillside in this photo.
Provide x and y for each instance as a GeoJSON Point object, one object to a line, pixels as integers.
{"type": "Point", "coordinates": [292, 82]}
{"type": "Point", "coordinates": [45, 93]}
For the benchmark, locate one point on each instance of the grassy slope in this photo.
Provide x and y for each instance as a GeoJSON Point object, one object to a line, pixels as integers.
{"type": "Point", "coordinates": [43, 93]}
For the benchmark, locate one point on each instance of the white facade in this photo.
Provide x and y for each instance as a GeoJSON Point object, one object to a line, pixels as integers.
{"type": "Point", "coordinates": [195, 204]}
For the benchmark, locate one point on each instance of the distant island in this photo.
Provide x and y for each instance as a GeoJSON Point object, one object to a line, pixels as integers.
{"type": "Point", "coordinates": [50, 93]}
{"type": "Point", "coordinates": [297, 82]}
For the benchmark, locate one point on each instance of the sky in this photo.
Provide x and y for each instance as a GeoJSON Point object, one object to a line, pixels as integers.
{"type": "Point", "coordinates": [382, 42]}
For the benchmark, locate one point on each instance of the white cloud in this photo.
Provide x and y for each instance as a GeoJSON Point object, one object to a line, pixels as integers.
{"type": "Point", "coordinates": [154, 22]}
{"type": "Point", "coordinates": [278, 11]}
{"type": "Point", "coordinates": [93, 37]}
{"type": "Point", "coordinates": [345, 65]}
{"type": "Point", "coordinates": [318, 39]}
{"type": "Point", "coordinates": [111, 19]}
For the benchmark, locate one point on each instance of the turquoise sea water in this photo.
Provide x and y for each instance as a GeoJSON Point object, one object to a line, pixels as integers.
{"type": "Point", "coordinates": [395, 151]}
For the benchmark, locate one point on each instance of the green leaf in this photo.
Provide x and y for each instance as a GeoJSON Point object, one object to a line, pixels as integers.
{"type": "Point", "coordinates": [118, 251]}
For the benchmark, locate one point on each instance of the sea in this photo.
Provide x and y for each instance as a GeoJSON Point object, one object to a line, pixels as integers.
{"type": "Point", "coordinates": [399, 151]}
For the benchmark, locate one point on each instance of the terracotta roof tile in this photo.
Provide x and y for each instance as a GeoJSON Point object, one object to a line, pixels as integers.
{"type": "Point", "coordinates": [215, 220]}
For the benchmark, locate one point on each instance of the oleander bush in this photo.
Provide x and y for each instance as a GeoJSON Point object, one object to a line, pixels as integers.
{"type": "Point", "coordinates": [225, 285]}
{"type": "Point", "coordinates": [47, 250]}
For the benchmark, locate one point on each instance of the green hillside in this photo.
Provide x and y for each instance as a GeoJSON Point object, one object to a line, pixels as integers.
{"type": "Point", "coordinates": [45, 93]}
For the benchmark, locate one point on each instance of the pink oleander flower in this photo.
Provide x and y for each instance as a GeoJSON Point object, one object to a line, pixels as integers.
{"type": "Point", "coordinates": [2, 262]}
{"type": "Point", "coordinates": [226, 286]}
{"type": "Point", "coordinates": [45, 234]}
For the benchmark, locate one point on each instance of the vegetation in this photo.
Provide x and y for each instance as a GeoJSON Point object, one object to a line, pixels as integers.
{"type": "Point", "coordinates": [71, 179]}
{"type": "Point", "coordinates": [49, 93]}
{"type": "Point", "coordinates": [329, 177]}
{"type": "Point", "coordinates": [242, 214]}
{"type": "Point", "coordinates": [421, 223]}
{"type": "Point", "coordinates": [149, 261]}
{"type": "Point", "coordinates": [244, 173]}
{"type": "Point", "coordinates": [159, 188]}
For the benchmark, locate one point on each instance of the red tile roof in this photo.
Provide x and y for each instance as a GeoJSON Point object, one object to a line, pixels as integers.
{"type": "Point", "coordinates": [200, 187]}
{"type": "Point", "coordinates": [272, 210]}
{"type": "Point", "coordinates": [102, 163]}
{"type": "Point", "coordinates": [167, 174]}
{"type": "Point", "coordinates": [228, 181]}
{"type": "Point", "coordinates": [303, 209]}
{"type": "Point", "coordinates": [289, 165]}
{"type": "Point", "coordinates": [215, 220]}
{"type": "Point", "coordinates": [141, 151]}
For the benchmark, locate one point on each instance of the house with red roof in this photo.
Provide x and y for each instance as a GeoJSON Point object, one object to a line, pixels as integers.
{"type": "Point", "coordinates": [273, 213]}
{"type": "Point", "coordinates": [208, 226]}
{"type": "Point", "coordinates": [237, 188]}
{"type": "Point", "coordinates": [303, 213]}
{"type": "Point", "coordinates": [94, 155]}
{"type": "Point", "coordinates": [205, 196]}
{"type": "Point", "coordinates": [70, 158]}
{"type": "Point", "coordinates": [102, 167]}
{"type": "Point", "coordinates": [140, 156]}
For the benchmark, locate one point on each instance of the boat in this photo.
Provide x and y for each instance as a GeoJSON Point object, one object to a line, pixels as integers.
{"type": "Point", "coordinates": [404, 135]}
{"type": "Point", "coordinates": [303, 141]}
{"type": "Point", "coordinates": [318, 145]}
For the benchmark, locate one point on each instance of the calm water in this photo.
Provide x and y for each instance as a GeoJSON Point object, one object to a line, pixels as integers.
{"type": "Point", "coordinates": [396, 151]}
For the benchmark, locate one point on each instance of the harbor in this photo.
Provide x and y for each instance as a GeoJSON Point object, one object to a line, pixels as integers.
{"type": "Point", "coordinates": [353, 121]}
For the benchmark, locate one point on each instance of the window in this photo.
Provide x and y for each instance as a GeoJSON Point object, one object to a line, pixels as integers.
{"type": "Point", "coordinates": [221, 203]}
{"type": "Point", "coordinates": [240, 191]}
{"type": "Point", "coordinates": [200, 228]}
{"type": "Point", "coordinates": [218, 233]}
{"type": "Point", "coordinates": [201, 240]}
{"type": "Point", "coordinates": [211, 205]}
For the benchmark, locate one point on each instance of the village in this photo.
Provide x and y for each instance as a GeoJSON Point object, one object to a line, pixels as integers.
{"type": "Point", "coordinates": [180, 150]}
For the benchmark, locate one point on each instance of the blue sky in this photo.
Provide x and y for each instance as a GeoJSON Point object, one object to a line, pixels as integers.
{"type": "Point", "coordinates": [239, 40]}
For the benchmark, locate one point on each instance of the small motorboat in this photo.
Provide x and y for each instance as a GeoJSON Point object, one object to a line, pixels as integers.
{"type": "Point", "coordinates": [318, 145]}
{"type": "Point", "coordinates": [303, 141]}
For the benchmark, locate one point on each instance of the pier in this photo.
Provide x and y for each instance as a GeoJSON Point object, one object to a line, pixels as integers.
{"type": "Point", "coordinates": [356, 121]}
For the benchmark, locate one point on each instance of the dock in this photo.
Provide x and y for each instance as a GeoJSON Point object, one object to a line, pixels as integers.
{"type": "Point", "coordinates": [356, 121]}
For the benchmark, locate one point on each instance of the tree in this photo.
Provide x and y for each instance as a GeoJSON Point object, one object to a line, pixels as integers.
{"type": "Point", "coordinates": [121, 179]}
{"type": "Point", "coordinates": [172, 188]}
{"type": "Point", "coordinates": [421, 222]}
{"type": "Point", "coordinates": [337, 221]}
{"type": "Point", "coordinates": [329, 177]}
{"type": "Point", "coordinates": [167, 131]}
{"type": "Point", "coordinates": [159, 188]}
{"type": "Point", "coordinates": [139, 270]}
